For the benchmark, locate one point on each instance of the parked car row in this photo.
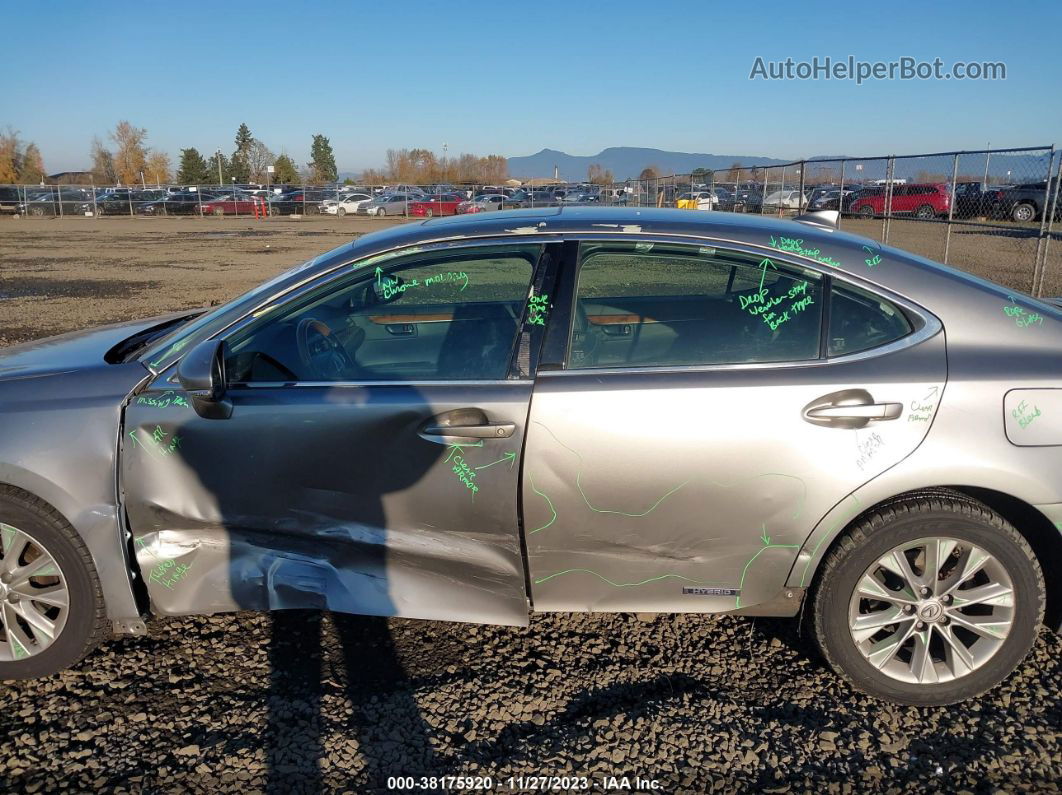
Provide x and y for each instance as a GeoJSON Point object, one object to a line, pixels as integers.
{"type": "Point", "coordinates": [1023, 203]}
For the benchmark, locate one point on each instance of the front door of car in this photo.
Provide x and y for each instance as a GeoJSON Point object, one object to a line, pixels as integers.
{"type": "Point", "coordinates": [371, 460]}
{"type": "Point", "coordinates": [701, 419]}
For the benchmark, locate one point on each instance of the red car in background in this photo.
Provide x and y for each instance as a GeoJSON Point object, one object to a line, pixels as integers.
{"type": "Point", "coordinates": [243, 204]}
{"type": "Point", "coordinates": [922, 201]}
{"type": "Point", "coordinates": [438, 204]}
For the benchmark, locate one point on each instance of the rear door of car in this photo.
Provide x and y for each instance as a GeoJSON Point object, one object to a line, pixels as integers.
{"type": "Point", "coordinates": [699, 409]}
{"type": "Point", "coordinates": [386, 486]}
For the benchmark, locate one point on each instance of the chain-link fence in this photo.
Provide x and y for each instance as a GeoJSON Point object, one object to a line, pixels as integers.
{"type": "Point", "coordinates": [994, 212]}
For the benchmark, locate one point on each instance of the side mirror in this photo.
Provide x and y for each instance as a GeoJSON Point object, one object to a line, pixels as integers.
{"type": "Point", "coordinates": [201, 373]}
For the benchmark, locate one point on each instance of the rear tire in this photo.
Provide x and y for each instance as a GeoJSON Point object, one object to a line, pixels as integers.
{"type": "Point", "coordinates": [341, 212]}
{"type": "Point", "coordinates": [380, 212]}
{"type": "Point", "coordinates": [1023, 213]}
{"type": "Point", "coordinates": [883, 664]}
{"type": "Point", "coordinates": [84, 625]}
{"type": "Point", "coordinates": [866, 212]}
{"type": "Point", "coordinates": [925, 212]}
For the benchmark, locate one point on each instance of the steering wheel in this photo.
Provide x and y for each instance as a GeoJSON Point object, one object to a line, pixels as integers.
{"type": "Point", "coordinates": [321, 353]}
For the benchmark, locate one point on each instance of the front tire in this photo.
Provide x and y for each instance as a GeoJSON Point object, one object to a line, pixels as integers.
{"type": "Point", "coordinates": [51, 610]}
{"type": "Point", "coordinates": [928, 600]}
{"type": "Point", "coordinates": [380, 212]}
{"type": "Point", "coordinates": [866, 212]}
{"type": "Point", "coordinates": [925, 212]}
{"type": "Point", "coordinates": [341, 212]}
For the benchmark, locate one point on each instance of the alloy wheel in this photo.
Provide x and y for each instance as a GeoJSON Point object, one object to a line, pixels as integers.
{"type": "Point", "coordinates": [34, 600]}
{"type": "Point", "coordinates": [932, 610]}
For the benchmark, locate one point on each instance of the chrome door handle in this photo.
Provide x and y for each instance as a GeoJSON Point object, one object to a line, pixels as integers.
{"type": "Point", "coordinates": [499, 430]}
{"type": "Point", "coordinates": [869, 411]}
{"type": "Point", "coordinates": [849, 408]}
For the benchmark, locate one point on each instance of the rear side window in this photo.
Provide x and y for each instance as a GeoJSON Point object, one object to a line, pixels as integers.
{"type": "Point", "coordinates": [653, 305]}
{"type": "Point", "coordinates": [860, 320]}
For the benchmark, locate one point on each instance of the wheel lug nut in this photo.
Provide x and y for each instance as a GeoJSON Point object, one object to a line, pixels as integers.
{"type": "Point", "coordinates": [920, 625]}
{"type": "Point", "coordinates": [908, 608]}
{"type": "Point", "coordinates": [945, 620]}
{"type": "Point", "coordinates": [923, 590]}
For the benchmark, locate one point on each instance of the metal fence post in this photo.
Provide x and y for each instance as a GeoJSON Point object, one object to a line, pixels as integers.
{"type": "Point", "coordinates": [1043, 220]}
{"type": "Point", "coordinates": [1050, 230]}
{"type": "Point", "coordinates": [1050, 209]}
{"type": "Point", "coordinates": [886, 215]}
{"type": "Point", "coordinates": [803, 182]}
{"type": "Point", "coordinates": [763, 198]}
{"type": "Point", "coordinates": [130, 195]}
{"type": "Point", "coordinates": [840, 197]}
{"type": "Point", "coordinates": [59, 194]}
{"type": "Point", "coordinates": [199, 198]}
{"type": "Point", "coordinates": [951, 208]}
{"type": "Point", "coordinates": [95, 210]}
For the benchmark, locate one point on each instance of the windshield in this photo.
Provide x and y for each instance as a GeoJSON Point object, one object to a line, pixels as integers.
{"type": "Point", "coordinates": [165, 350]}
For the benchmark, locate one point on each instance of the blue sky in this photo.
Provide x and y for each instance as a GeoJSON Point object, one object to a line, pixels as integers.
{"type": "Point", "coordinates": [512, 78]}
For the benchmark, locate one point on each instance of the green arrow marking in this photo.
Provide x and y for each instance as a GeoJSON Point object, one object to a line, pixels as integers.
{"type": "Point", "coordinates": [763, 267]}
{"type": "Point", "coordinates": [510, 457]}
{"type": "Point", "coordinates": [932, 392]}
{"type": "Point", "coordinates": [766, 539]}
{"type": "Point", "coordinates": [379, 271]}
{"type": "Point", "coordinates": [456, 447]}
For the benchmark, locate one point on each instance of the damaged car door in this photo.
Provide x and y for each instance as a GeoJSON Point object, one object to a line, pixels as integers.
{"type": "Point", "coordinates": [360, 451]}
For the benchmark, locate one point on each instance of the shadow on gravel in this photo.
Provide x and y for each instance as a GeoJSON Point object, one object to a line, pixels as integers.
{"type": "Point", "coordinates": [365, 664]}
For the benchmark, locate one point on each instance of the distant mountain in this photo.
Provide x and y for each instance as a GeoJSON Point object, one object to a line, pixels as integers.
{"type": "Point", "coordinates": [626, 162]}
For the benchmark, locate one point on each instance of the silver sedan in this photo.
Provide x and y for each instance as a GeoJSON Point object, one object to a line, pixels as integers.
{"type": "Point", "coordinates": [577, 409]}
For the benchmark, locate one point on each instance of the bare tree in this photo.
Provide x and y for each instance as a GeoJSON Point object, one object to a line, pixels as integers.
{"type": "Point", "coordinates": [259, 158]}
{"type": "Point", "coordinates": [103, 171]}
{"type": "Point", "coordinates": [596, 175]}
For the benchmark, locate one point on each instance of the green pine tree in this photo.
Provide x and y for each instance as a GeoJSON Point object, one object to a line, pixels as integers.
{"type": "Point", "coordinates": [240, 163]}
{"type": "Point", "coordinates": [284, 171]}
{"type": "Point", "coordinates": [322, 161]}
{"type": "Point", "coordinates": [193, 169]}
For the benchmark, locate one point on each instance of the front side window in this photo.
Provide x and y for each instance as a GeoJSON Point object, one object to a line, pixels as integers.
{"type": "Point", "coordinates": [449, 315]}
{"type": "Point", "coordinates": [652, 305]}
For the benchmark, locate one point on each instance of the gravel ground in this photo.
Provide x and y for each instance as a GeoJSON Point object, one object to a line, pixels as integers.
{"type": "Point", "coordinates": [305, 702]}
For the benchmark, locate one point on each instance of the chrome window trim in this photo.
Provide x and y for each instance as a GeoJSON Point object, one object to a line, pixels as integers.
{"type": "Point", "coordinates": [419, 383]}
{"type": "Point", "coordinates": [335, 273]}
{"type": "Point", "coordinates": [927, 325]}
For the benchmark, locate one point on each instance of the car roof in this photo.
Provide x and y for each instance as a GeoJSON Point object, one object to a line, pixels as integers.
{"type": "Point", "coordinates": [739, 227]}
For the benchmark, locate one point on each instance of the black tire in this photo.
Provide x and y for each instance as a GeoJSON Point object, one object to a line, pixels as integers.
{"type": "Point", "coordinates": [428, 213]}
{"type": "Point", "coordinates": [218, 212]}
{"type": "Point", "coordinates": [1023, 213]}
{"type": "Point", "coordinates": [944, 514]}
{"type": "Point", "coordinates": [37, 211]}
{"type": "Point", "coordinates": [865, 212]}
{"type": "Point", "coordinates": [926, 211]}
{"type": "Point", "coordinates": [341, 212]}
{"type": "Point", "coordinates": [86, 622]}
{"type": "Point", "coordinates": [380, 212]}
